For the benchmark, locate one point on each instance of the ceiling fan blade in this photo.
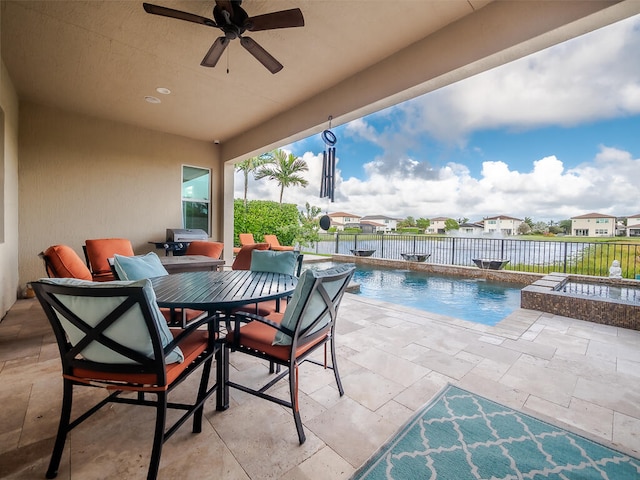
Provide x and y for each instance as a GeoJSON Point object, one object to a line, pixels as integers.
{"type": "Point", "coordinates": [180, 15]}
{"type": "Point", "coordinates": [215, 52]}
{"type": "Point", "coordinates": [270, 21]}
{"type": "Point", "coordinates": [264, 57]}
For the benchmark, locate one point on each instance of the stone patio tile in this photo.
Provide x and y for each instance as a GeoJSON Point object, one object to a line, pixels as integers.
{"type": "Point", "coordinates": [553, 385]}
{"type": "Point", "coordinates": [621, 396]}
{"type": "Point", "coordinates": [535, 349]}
{"type": "Point", "coordinates": [390, 366]}
{"type": "Point", "coordinates": [626, 433]}
{"type": "Point", "coordinates": [332, 466]}
{"type": "Point", "coordinates": [581, 414]}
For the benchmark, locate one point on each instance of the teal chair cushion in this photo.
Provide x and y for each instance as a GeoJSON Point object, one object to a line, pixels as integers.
{"type": "Point", "coordinates": [303, 294]}
{"type": "Point", "coordinates": [129, 330]}
{"type": "Point", "coordinates": [139, 267]}
{"type": "Point", "coordinates": [272, 261]}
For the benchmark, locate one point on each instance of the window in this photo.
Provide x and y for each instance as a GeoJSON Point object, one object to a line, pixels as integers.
{"type": "Point", "coordinates": [582, 232]}
{"type": "Point", "coordinates": [196, 188]}
{"type": "Point", "coordinates": [602, 231]}
{"type": "Point", "coordinates": [602, 220]}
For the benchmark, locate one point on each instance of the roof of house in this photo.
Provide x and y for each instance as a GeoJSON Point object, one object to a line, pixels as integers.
{"type": "Point", "coordinates": [383, 217]}
{"type": "Point", "coordinates": [592, 215]}
{"type": "Point", "coordinates": [503, 217]}
{"type": "Point", "coordinates": [439, 219]}
{"type": "Point", "coordinates": [343, 214]}
{"type": "Point", "coordinates": [369, 222]}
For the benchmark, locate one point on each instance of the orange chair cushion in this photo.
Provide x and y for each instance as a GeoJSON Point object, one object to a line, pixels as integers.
{"type": "Point", "coordinates": [210, 249]}
{"type": "Point", "coordinates": [66, 263]}
{"type": "Point", "coordinates": [191, 347]}
{"type": "Point", "coordinates": [275, 244]}
{"type": "Point", "coordinates": [99, 250]}
{"type": "Point", "coordinates": [243, 259]}
{"type": "Point", "coordinates": [259, 336]}
{"type": "Point", "coordinates": [246, 239]}
{"type": "Point", "coordinates": [175, 315]}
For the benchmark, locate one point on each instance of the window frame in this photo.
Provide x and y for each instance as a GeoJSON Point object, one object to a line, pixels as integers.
{"type": "Point", "coordinates": [184, 200]}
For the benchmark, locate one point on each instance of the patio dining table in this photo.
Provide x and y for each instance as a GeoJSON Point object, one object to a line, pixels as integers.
{"type": "Point", "coordinates": [218, 293]}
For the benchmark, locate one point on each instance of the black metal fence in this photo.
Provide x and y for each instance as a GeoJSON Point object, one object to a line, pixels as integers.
{"type": "Point", "coordinates": [537, 256]}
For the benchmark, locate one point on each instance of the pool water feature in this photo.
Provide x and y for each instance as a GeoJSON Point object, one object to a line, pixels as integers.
{"type": "Point", "coordinates": [608, 291]}
{"type": "Point", "coordinates": [475, 300]}
{"type": "Point", "coordinates": [594, 299]}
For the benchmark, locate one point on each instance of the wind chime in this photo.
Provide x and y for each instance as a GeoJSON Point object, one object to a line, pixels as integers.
{"type": "Point", "coordinates": [328, 182]}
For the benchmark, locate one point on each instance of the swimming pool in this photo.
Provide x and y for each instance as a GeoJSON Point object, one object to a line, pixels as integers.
{"type": "Point", "coordinates": [475, 300]}
{"type": "Point", "coordinates": [603, 290]}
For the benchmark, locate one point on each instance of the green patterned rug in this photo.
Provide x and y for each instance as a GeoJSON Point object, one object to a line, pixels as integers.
{"type": "Point", "coordinates": [460, 436]}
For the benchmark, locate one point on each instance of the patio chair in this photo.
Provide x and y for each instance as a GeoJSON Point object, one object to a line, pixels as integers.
{"type": "Point", "coordinates": [278, 262]}
{"type": "Point", "coordinates": [273, 241]}
{"type": "Point", "coordinates": [246, 239]}
{"type": "Point", "coordinates": [140, 267]}
{"type": "Point", "coordinates": [61, 261]}
{"type": "Point", "coordinates": [112, 336]}
{"type": "Point", "coordinates": [243, 258]}
{"type": "Point", "coordinates": [209, 249]}
{"type": "Point", "coordinates": [290, 339]}
{"type": "Point", "coordinates": [98, 251]}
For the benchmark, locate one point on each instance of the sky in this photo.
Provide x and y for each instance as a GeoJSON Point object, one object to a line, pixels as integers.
{"type": "Point", "coordinates": [550, 136]}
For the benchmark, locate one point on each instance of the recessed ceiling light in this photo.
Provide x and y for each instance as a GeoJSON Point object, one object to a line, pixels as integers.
{"type": "Point", "coordinates": [151, 99]}
{"type": "Point", "coordinates": [163, 91]}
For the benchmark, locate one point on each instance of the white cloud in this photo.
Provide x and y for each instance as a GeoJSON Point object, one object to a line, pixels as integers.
{"type": "Point", "coordinates": [547, 192]}
{"type": "Point", "coordinates": [587, 79]}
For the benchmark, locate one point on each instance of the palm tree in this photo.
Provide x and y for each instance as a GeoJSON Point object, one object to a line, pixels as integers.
{"type": "Point", "coordinates": [251, 165]}
{"type": "Point", "coordinates": [285, 169]}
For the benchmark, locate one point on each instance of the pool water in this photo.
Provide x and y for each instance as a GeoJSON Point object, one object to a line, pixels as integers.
{"type": "Point", "coordinates": [475, 300]}
{"type": "Point", "coordinates": [602, 290]}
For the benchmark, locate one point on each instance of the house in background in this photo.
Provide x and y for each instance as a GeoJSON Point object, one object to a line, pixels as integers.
{"type": "Point", "coordinates": [633, 226]}
{"type": "Point", "coordinates": [593, 225]}
{"type": "Point", "coordinates": [342, 220]}
{"type": "Point", "coordinates": [367, 226]}
{"type": "Point", "coordinates": [437, 225]}
{"type": "Point", "coordinates": [471, 229]}
{"type": "Point", "coordinates": [501, 224]}
{"type": "Point", "coordinates": [388, 224]}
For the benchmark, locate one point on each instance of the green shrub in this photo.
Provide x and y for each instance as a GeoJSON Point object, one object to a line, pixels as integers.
{"type": "Point", "coordinates": [266, 217]}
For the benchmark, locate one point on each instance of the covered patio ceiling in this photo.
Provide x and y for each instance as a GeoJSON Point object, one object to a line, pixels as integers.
{"type": "Point", "coordinates": [101, 58]}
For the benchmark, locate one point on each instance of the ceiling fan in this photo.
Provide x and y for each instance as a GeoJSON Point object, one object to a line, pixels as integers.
{"type": "Point", "coordinates": [231, 18]}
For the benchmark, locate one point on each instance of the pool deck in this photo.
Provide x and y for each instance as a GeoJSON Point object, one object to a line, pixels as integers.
{"type": "Point", "coordinates": [392, 360]}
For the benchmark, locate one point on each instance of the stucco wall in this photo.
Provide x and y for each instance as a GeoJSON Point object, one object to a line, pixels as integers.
{"type": "Point", "coordinates": [9, 191]}
{"type": "Point", "coordinates": [82, 177]}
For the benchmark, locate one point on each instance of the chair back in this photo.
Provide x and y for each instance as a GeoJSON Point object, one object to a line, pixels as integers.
{"type": "Point", "coordinates": [98, 251]}
{"type": "Point", "coordinates": [61, 261]}
{"type": "Point", "coordinates": [243, 258]}
{"type": "Point", "coordinates": [272, 240]}
{"type": "Point", "coordinates": [312, 311]}
{"type": "Point", "coordinates": [210, 249]}
{"type": "Point", "coordinates": [246, 239]}
{"type": "Point", "coordinates": [109, 328]}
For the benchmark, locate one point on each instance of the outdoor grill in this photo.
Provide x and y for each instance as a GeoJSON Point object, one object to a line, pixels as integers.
{"type": "Point", "coordinates": [179, 238]}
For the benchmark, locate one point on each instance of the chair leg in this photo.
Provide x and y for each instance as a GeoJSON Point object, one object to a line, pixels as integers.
{"type": "Point", "coordinates": [63, 429]}
{"type": "Point", "coordinates": [158, 436]}
{"type": "Point", "coordinates": [335, 365]}
{"type": "Point", "coordinates": [293, 390]}
{"type": "Point", "coordinates": [204, 384]}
